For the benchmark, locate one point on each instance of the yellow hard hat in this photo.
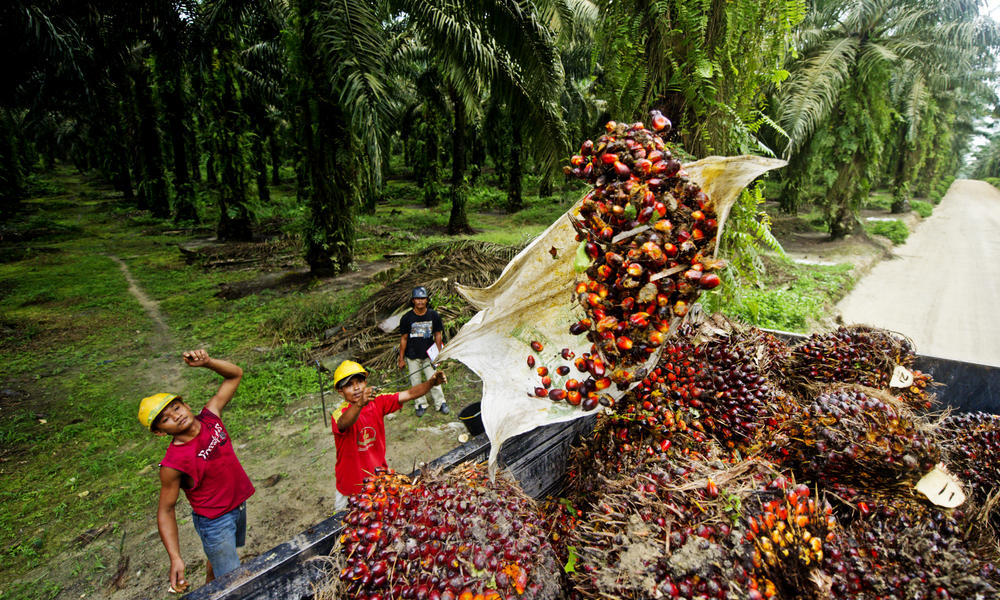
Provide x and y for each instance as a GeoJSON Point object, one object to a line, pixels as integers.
{"type": "Point", "coordinates": [345, 370]}
{"type": "Point", "coordinates": [151, 407]}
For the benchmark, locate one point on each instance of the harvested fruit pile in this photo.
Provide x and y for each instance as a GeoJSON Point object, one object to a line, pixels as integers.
{"type": "Point", "coordinates": [454, 535]}
{"type": "Point", "coordinates": [666, 504]}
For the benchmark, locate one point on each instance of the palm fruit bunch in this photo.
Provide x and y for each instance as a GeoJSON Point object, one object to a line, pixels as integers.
{"type": "Point", "coordinates": [899, 546]}
{"type": "Point", "coordinates": [713, 381]}
{"type": "Point", "coordinates": [789, 531]}
{"type": "Point", "coordinates": [666, 531]}
{"type": "Point", "coordinates": [971, 443]}
{"type": "Point", "coordinates": [862, 355]}
{"type": "Point", "coordinates": [647, 234]}
{"type": "Point", "coordinates": [857, 435]}
{"type": "Point", "coordinates": [445, 536]}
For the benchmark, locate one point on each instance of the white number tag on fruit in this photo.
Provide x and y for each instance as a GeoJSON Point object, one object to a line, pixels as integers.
{"type": "Point", "coordinates": [901, 377]}
{"type": "Point", "coordinates": [941, 488]}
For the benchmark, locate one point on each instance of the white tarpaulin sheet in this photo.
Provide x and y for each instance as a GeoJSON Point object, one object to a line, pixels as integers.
{"type": "Point", "coordinates": [533, 300]}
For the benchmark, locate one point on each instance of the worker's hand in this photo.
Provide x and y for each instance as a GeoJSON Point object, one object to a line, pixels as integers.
{"type": "Point", "coordinates": [362, 399]}
{"type": "Point", "coordinates": [177, 582]}
{"type": "Point", "coordinates": [196, 358]}
{"type": "Point", "coordinates": [401, 363]}
{"type": "Point", "coordinates": [438, 378]}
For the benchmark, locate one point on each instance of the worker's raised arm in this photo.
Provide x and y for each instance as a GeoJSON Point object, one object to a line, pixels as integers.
{"type": "Point", "coordinates": [231, 376]}
{"type": "Point", "coordinates": [422, 388]}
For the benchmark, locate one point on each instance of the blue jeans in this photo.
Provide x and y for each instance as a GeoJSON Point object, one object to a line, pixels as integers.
{"type": "Point", "coordinates": [221, 536]}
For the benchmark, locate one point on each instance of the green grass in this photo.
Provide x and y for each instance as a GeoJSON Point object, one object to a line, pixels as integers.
{"type": "Point", "coordinates": [893, 229]}
{"type": "Point", "coordinates": [793, 296]}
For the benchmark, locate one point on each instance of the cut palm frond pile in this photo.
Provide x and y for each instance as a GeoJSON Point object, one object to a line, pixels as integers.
{"type": "Point", "coordinates": [438, 268]}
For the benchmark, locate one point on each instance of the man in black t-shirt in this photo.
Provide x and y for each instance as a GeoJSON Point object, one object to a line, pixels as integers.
{"type": "Point", "coordinates": [421, 328]}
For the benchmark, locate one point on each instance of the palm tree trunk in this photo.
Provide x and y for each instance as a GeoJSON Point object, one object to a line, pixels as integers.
{"type": "Point", "coordinates": [275, 152]}
{"type": "Point", "coordinates": [172, 93]}
{"type": "Point", "coordinates": [515, 202]}
{"type": "Point", "coordinates": [458, 222]}
{"type": "Point", "coordinates": [154, 179]}
{"type": "Point", "coordinates": [234, 215]}
{"type": "Point", "coordinates": [324, 158]}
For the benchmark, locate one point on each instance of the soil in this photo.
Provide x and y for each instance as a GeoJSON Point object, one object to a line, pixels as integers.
{"type": "Point", "coordinates": [291, 459]}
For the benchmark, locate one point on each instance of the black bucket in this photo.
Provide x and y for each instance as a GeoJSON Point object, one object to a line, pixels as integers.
{"type": "Point", "coordinates": [470, 416]}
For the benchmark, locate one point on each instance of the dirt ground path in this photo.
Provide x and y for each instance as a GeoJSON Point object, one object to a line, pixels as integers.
{"type": "Point", "coordinates": [943, 288]}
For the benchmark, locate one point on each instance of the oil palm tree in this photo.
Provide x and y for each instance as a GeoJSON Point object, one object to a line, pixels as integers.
{"type": "Point", "coordinates": [836, 106]}
{"type": "Point", "coordinates": [344, 56]}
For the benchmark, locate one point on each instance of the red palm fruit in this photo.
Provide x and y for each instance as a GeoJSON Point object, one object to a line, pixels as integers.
{"type": "Point", "coordinates": [624, 343]}
{"type": "Point", "coordinates": [581, 288]}
{"type": "Point", "coordinates": [557, 395]}
{"type": "Point", "coordinates": [563, 370]}
{"type": "Point", "coordinates": [592, 250]}
{"type": "Point", "coordinates": [697, 234]}
{"type": "Point", "coordinates": [567, 354]}
{"type": "Point", "coordinates": [627, 304]}
{"type": "Point", "coordinates": [590, 402]}
{"type": "Point", "coordinates": [547, 382]}
{"type": "Point", "coordinates": [701, 198]}
{"type": "Point", "coordinates": [542, 371]}
{"type": "Point", "coordinates": [613, 259]}
{"type": "Point", "coordinates": [635, 269]}
{"type": "Point", "coordinates": [654, 183]}
{"type": "Point", "coordinates": [587, 169]}
{"type": "Point", "coordinates": [692, 274]}
{"type": "Point", "coordinates": [662, 300]}
{"type": "Point", "coordinates": [712, 489]}
{"type": "Point", "coordinates": [710, 224]}
{"type": "Point", "coordinates": [645, 215]}
{"type": "Point", "coordinates": [609, 158]}
{"type": "Point", "coordinates": [602, 384]}
{"type": "Point", "coordinates": [673, 166]}
{"type": "Point", "coordinates": [580, 326]}
{"type": "Point", "coordinates": [536, 346]}
{"type": "Point", "coordinates": [587, 148]}
{"type": "Point", "coordinates": [642, 166]}
{"type": "Point", "coordinates": [610, 126]}
{"type": "Point", "coordinates": [618, 211]}
{"type": "Point", "coordinates": [709, 281]}
{"type": "Point", "coordinates": [572, 384]}
{"type": "Point", "coordinates": [603, 272]}
{"type": "Point", "coordinates": [648, 198]}
{"type": "Point", "coordinates": [594, 300]}
{"type": "Point", "coordinates": [576, 161]}
{"type": "Point", "coordinates": [597, 368]}
{"type": "Point", "coordinates": [607, 234]}
{"type": "Point", "coordinates": [639, 320]}
{"type": "Point", "coordinates": [698, 215]}
{"type": "Point", "coordinates": [683, 236]}
{"type": "Point", "coordinates": [663, 226]}
{"type": "Point", "coordinates": [655, 156]}
{"type": "Point", "coordinates": [660, 123]}
{"type": "Point", "coordinates": [655, 339]}
{"type": "Point", "coordinates": [573, 397]}
{"type": "Point", "coordinates": [581, 364]}
{"type": "Point", "coordinates": [669, 250]}
{"type": "Point", "coordinates": [606, 324]}
{"type": "Point", "coordinates": [531, 361]}
{"type": "Point", "coordinates": [541, 392]}
{"type": "Point", "coordinates": [653, 251]}
{"type": "Point", "coordinates": [680, 308]}
{"type": "Point", "coordinates": [660, 208]}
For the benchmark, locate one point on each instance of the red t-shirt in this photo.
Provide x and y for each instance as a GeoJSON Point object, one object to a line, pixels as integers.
{"type": "Point", "coordinates": [361, 448]}
{"type": "Point", "coordinates": [219, 483]}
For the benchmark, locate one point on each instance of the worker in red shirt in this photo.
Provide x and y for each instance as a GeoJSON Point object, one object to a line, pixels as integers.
{"type": "Point", "coordinates": [200, 460]}
{"type": "Point", "coordinates": [359, 427]}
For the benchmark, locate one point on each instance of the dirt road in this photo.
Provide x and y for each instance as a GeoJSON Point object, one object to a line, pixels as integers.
{"type": "Point", "coordinates": [943, 288]}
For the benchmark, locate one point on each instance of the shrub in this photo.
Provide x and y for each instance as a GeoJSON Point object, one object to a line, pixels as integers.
{"type": "Point", "coordinates": [924, 209]}
{"type": "Point", "coordinates": [893, 229]}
